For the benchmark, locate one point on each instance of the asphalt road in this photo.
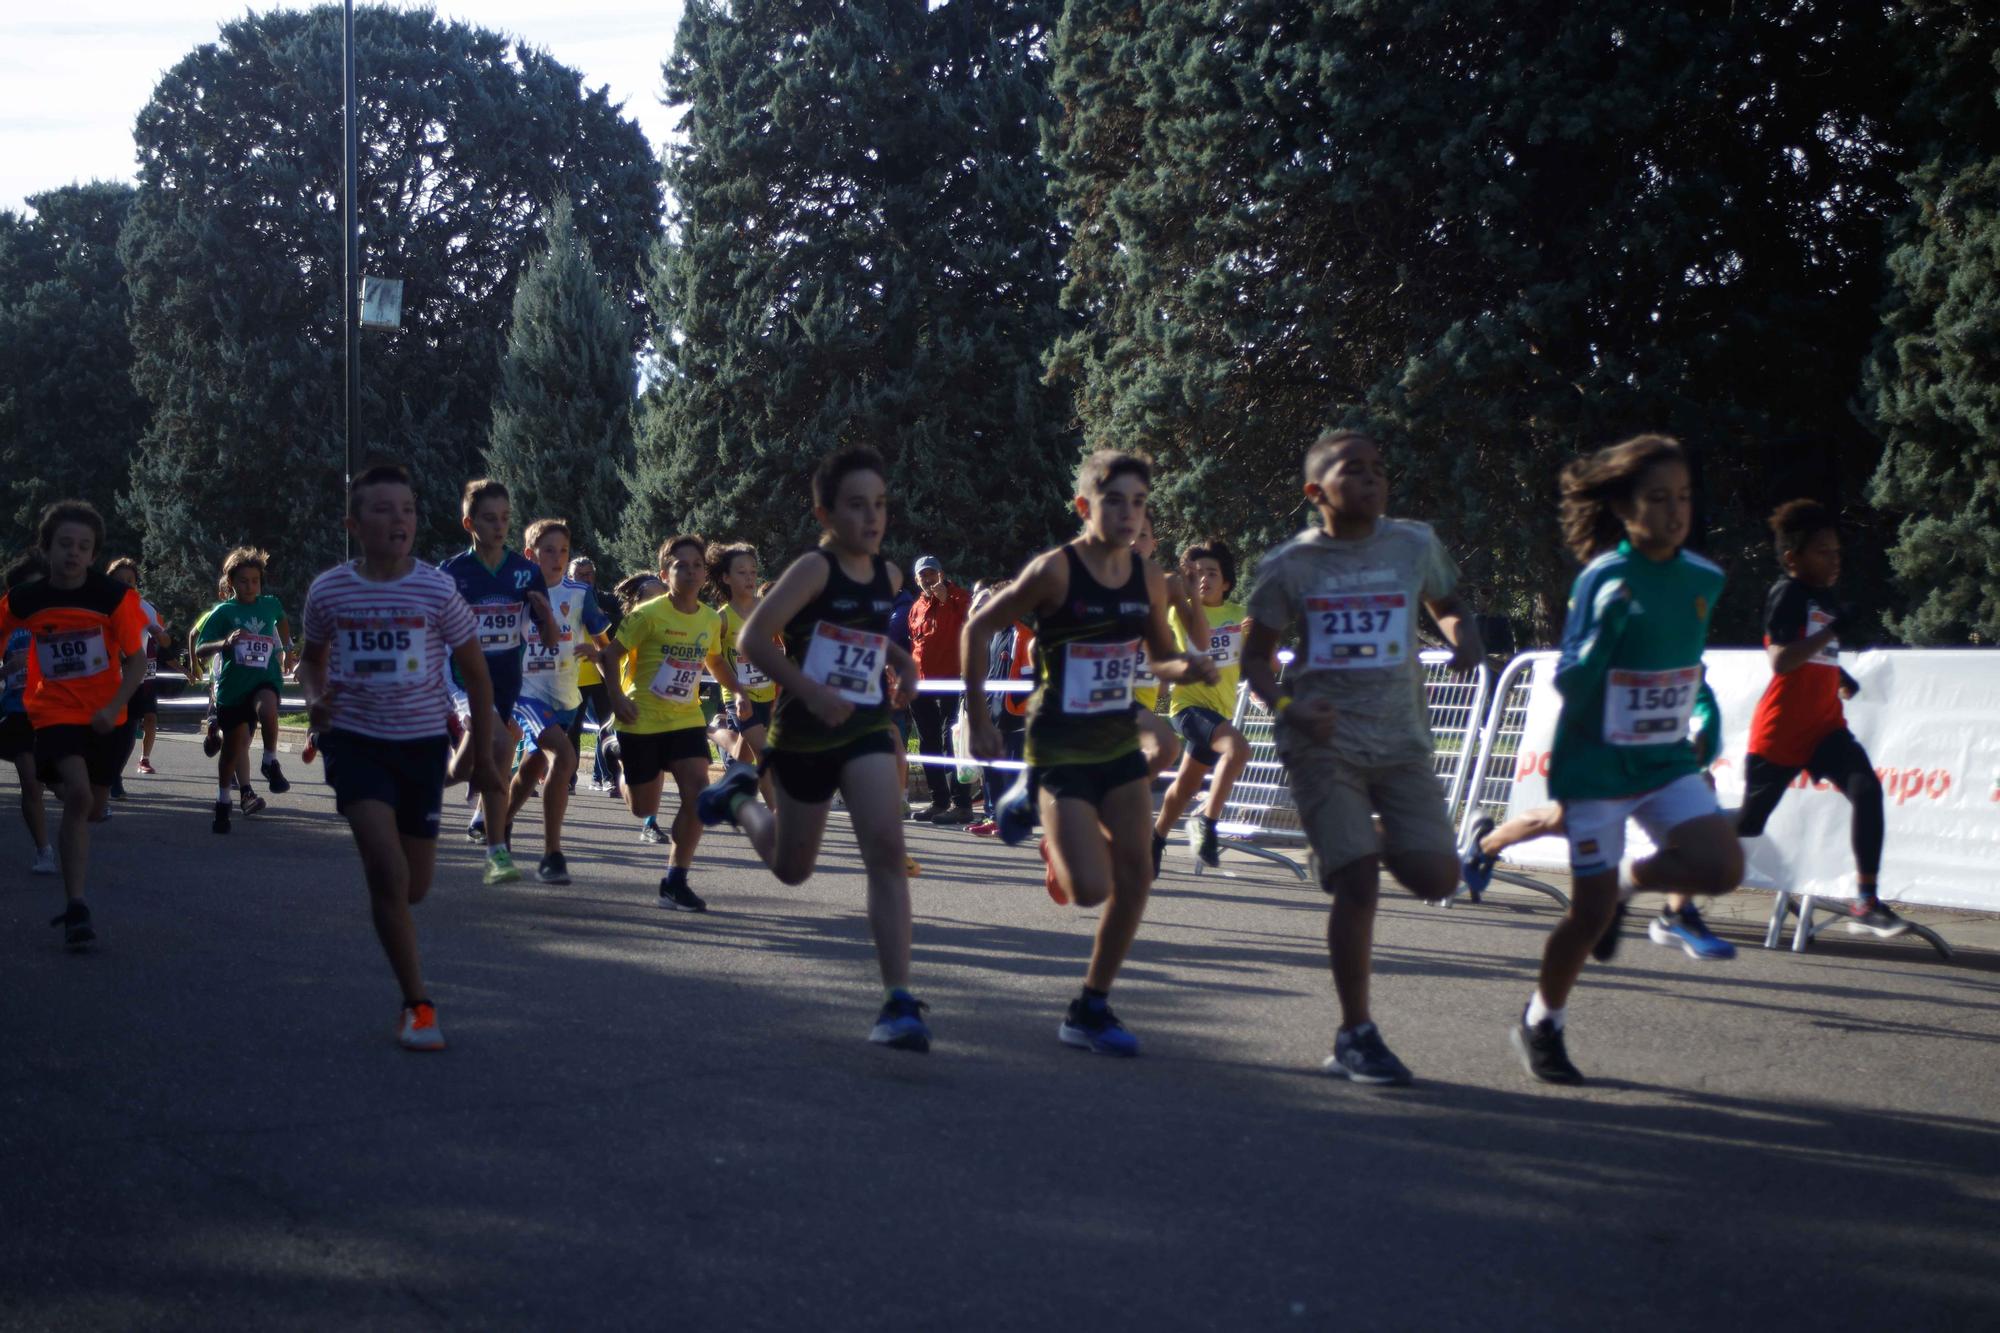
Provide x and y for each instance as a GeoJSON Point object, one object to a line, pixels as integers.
{"type": "Point", "coordinates": [647, 1119]}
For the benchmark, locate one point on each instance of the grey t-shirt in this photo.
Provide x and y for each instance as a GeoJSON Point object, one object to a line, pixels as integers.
{"type": "Point", "coordinates": [1352, 607]}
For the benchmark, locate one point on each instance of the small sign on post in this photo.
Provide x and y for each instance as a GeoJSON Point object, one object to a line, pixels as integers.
{"type": "Point", "coordinates": [381, 303]}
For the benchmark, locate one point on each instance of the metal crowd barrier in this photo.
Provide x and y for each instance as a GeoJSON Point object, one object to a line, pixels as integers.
{"type": "Point", "coordinates": [1260, 812]}
{"type": "Point", "coordinates": [1489, 785]}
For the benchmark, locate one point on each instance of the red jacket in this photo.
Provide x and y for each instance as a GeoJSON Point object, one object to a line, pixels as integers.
{"type": "Point", "coordinates": [935, 626]}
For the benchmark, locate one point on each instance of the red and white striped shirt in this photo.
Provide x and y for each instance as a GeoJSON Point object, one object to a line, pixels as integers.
{"type": "Point", "coordinates": [387, 648]}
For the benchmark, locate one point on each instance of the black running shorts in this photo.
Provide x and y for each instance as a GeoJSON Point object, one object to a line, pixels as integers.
{"type": "Point", "coordinates": [813, 776]}
{"type": "Point", "coordinates": [406, 776]}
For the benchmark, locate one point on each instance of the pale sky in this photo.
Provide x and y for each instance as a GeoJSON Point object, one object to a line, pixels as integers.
{"type": "Point", "coordinates": [74, 73]}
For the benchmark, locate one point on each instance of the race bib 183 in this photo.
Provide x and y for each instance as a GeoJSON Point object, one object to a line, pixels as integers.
{"type": "Point", "coordinates": [676, 680]}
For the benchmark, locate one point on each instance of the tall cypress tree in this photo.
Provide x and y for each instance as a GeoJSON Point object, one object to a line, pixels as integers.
{"type": "Point", "coordinates": [1502, 237]}
{"type": "Point", "coordinates": [233, 253]}
{"type": "Point", "coordinates": [863, 252]}
{"type": "Point", "coordinates": [70, 419]}
{"type": "Point", "coordinates": [1934, 382]}
{"type": "Point", "coordinates": [562, 422]}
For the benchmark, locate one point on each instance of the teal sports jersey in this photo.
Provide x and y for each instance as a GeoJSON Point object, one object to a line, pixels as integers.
{"type": "Point", "coordinates": [1630, 674]}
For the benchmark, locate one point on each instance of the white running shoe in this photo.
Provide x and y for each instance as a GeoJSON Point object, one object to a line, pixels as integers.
{"type": "Point", "coordinates": [45, 861]}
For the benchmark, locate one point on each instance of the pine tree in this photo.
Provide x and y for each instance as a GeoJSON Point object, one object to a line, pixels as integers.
{"type": "Point", "coordinates": [70, 419]}
{"type": "Point", "coordinates": [1934, 382]}
{"type": "Point", "coordinates": [234, 252]}
{"type": "Point", "coordinates": [864, 252]}
{"type": "Point", "coordinates": [1501, 237]}
{"type": "Point", "coordinates": [562, 423]}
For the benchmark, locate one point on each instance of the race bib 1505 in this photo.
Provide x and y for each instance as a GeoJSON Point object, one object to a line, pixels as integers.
{"type": "Point", "coordinates": [379, 650]}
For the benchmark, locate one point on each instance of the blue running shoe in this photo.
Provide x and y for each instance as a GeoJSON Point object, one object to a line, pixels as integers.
{"type": "Point", "coordinates": [1688, 930]}
{"type": "Point", "coordinates": [712, 807]}
{"type": "Point", "coordinates": [1476, 867]}
{"type": "Point", "coordinates": [1091, 1025]}
{"type": "Point", "coordinates": [900, 1026]}
{"type": "Point", "coordinates": [1014, 820]}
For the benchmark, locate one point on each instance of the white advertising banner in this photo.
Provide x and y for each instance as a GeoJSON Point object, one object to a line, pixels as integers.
{"type": "Point", "coordinates": [1930, 720]}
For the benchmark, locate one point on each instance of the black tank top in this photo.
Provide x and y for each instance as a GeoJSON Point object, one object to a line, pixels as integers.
{"type": "Point", "coordinates": [848, 654]}
{"type": "Point", "coordinates": [1081, 711]}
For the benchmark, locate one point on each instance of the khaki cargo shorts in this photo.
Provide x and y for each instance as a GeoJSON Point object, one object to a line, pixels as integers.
{"type": "Point", "coordinates": [1338, 802]}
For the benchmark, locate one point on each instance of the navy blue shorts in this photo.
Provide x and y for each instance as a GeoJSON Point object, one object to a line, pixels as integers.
{"type": "Point", "coordinates": [406, 776]}
{"type": "Point", "coordinates": [1197, 727]}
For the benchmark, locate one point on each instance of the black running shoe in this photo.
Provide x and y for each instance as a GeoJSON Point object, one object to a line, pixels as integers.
{"type": "Point", "coordinates": [252, 802]}
{"type": "Point", "coordinates": [221, 822]}
{"type": "Point", "coordinates": [211, 741]}
{"type": "Point", "coordinates": [1542, 1053]}
{"type": "Point", "coordinates": [1206, 848]}
{"type": "Point", "coordinates": [553, 869]}
{"type": "Point", "coordinates": [275, 779]}
{"type": "Point", "coordinates": [1606, 947]}
{"type": "Point", "coordinates": [118, 789]}
{"type": "Point", "coordinates": [680, 896]}
{"type": "Point", "coordinates": [476, 830]}
{"type": "Point", "coordinates": [75, 921]}
{"type": "Point", "coordinates": [1159, 852]}
{"type": "Point", "coordinates": [1360, 1054]}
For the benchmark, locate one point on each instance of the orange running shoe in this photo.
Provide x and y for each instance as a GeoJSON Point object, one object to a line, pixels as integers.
{"type": "Point", "coordinates": [912, 867]}
{"type": "Point", "coordinates": [1049, 880]}
{"type": "Point", "coordinates": [420, 1028]}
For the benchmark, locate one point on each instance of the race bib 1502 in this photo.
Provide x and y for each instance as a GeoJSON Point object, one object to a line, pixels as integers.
{"type": "Point", "coordinates": [1649, 707]}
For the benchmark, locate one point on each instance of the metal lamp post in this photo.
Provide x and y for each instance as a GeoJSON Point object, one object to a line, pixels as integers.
{"type": "Point", "coordinates": [350, 267]}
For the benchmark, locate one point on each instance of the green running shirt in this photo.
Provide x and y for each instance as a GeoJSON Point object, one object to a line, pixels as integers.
{"type": "Point", "coordinates": [1630, 674]}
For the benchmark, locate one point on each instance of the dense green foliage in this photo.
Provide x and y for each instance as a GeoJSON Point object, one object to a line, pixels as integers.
{"type": "Point", "coordinates": [233, 253]}
{"type": "Point", "coordinates": [863, 252]}
{"type": "Point", "coordinates": [1501, 235]}
{"type": "Point", "coordinates": [1935, 381]}
{"type": "Point", "coordinates": [562, 424]}
{"type": "Point", "coordinates": [70, 419]}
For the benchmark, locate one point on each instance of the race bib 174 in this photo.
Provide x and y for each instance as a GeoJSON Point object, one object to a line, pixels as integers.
{"type": "Point", "coordinates": [850, 661]}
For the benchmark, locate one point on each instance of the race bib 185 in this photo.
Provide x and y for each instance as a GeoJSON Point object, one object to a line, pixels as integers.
{"type": "Point", "coordinates": [1097, 677]}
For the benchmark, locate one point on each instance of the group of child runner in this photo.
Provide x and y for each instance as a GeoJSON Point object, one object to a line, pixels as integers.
{"type": "Point", "coordinates": [417, 676]}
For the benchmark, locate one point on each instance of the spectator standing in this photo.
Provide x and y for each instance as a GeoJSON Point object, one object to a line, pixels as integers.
{"type": "Point", "coordinates": [936, 622]}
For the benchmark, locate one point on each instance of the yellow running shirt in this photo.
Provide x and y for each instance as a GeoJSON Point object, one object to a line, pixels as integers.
{"type": "Point", "coordinates": [663, 673]}
{"type": "Point", "coordinates": [1226, 626]}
